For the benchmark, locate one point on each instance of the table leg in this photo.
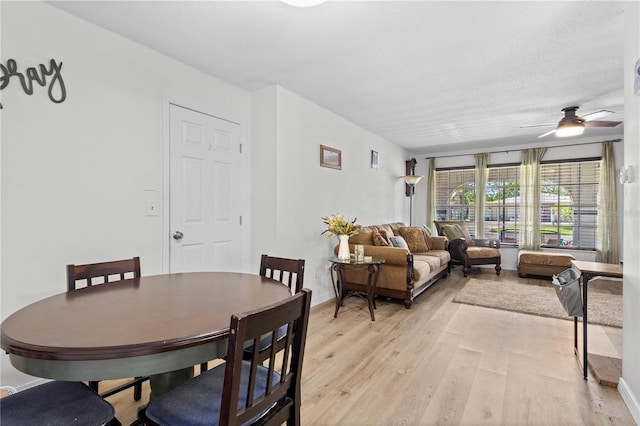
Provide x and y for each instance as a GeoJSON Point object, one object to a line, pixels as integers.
{"type": "Point", "coordinates": [575, 336]}
{"type": "Point", "coordinates": [371, 289]}
{"type": "Point", "coordinates": [585, 282]}
{"type": "Point", "coordinates": [337, 277]}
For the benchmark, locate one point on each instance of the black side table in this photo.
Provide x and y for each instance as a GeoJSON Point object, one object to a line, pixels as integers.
{"type": "Point", "coordinates": [341, 287]}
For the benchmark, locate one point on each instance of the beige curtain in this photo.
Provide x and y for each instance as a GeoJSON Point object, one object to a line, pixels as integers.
{"type": "Point", "coordinates": [530, 198]}
{"type": "Point", "coordinates": [431, 194]}
{"type": "Point", "coordinates": [607, 240]}
{"type": "Point", "coordinates": [482, 173]}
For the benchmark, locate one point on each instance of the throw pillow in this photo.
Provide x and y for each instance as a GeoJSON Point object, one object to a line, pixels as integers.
{"type": "Point", "coordinates": [414, 238]}
{"type": "Point", "coordinates": [453, 232]}
{"type": "Point", "coordinates": [427, 238]}
{"type": "Point", "coordinates": [379, 240]}
{"type": "Point", "coordinates": [395, 227]}
{"type": "Point", "coordinates": [385, 235]}
{"type": "Point", "coordinates": [467, 236]}
{"type": "Point", "coordinates": [387, 229]}
{"type": "Point", "coordinates": [398, 241]}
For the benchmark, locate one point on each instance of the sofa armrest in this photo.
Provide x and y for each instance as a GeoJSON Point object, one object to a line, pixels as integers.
{"type": "Point", "coordinates": [438, 243]}
{"type": "Point", "coordinates": [458, 248]}
{"type": "Point", "coordinates": [487, 242]}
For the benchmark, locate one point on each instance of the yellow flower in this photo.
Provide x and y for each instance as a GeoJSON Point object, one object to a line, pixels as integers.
{"type": "Point", "coordinates": [338, 225]}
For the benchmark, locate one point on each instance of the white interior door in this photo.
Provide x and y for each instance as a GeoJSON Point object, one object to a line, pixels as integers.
{"type": "Point", "coordinates": [204, 192]}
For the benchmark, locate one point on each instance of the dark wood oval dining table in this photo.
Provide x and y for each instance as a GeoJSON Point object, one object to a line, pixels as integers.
{"type": "Point", "coordinates": [134, 327]}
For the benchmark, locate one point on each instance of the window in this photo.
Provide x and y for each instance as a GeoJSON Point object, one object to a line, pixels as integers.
{"type": "Point", "coordinates": [568, 202]}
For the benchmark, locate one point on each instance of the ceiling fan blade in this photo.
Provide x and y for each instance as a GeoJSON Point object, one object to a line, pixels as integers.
{"type": "Point", "coordinates": [602, 123]}
{"type": "Point", "coordinates": [548, 133]}
{"type": "Point", "coordinates": [596, 115]}
{"type": "Point", "coordinates": [538, 125]}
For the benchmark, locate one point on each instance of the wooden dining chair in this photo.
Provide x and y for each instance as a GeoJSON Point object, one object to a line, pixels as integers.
{"type": "Point", "coordinates": [287, 271]}
{"type": "Point", "coordinates": [57, 403]}
{"type": "Point", "coordinates": [103, 273]}
{"type": "Point", "coordinates": [245, 391]}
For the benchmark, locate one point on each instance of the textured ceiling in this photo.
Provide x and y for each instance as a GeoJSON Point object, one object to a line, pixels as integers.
{"type": "Point", "coordinates": [429, 76]}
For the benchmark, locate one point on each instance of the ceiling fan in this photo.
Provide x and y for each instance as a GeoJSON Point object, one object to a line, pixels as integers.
{"type": "Point", "coordinates": [572, 125]}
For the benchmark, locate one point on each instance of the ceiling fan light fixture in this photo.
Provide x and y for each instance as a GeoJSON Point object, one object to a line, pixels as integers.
{"type": "Point", "coordinates": [571, 127]}
{"type": "Point", "coordinates": [571, 124]}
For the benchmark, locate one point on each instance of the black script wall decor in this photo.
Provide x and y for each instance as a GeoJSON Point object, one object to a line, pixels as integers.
{"type": "Point", "coordinates": [39, 75]}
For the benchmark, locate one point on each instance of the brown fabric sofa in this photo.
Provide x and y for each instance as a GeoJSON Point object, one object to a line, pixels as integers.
{"type": "Point", "coordinates": [406, 272]}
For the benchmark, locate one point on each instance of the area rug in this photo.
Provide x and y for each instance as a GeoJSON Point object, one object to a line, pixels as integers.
{"type": "Point", "coordinates": [603, 308]}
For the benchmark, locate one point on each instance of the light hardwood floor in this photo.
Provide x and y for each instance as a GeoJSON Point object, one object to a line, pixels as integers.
{"type": "Point", "coordinates": [446, 363]}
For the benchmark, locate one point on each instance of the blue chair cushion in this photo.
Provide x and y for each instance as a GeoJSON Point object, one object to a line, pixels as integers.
{"type": "Point", "coordinates": [197, 402]}
{"type": "Point", "coordinates": [56, 403]}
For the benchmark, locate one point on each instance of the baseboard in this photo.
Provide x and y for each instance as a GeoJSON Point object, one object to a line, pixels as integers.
{"type": "Point", "coordinates": [630, 400]}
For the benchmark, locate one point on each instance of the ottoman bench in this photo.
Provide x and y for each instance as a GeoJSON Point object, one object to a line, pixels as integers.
{"type": "Point", "coordinates": [545, 263]}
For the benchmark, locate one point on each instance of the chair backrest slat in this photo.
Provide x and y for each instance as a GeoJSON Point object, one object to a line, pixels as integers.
{"type": "Point", "coordinates": [276, 267]}
{"type": "Point", "coordinates": [91, 272]}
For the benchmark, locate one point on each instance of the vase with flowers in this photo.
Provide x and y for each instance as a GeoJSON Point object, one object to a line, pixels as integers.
{"type": "Point", "coordinates": [343, 229]}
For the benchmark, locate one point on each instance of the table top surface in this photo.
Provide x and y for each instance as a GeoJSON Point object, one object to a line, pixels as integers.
{"type": "Point", "coordinates": [606, 269]}
{"type": "Point", "coordinates": [137, 316]}
{"type": "Point", "coordinates": [375, 260]}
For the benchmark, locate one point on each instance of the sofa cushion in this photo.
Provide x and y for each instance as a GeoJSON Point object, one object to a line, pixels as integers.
{"type": "Point", "coordinates": [398, 241]}
{"type": "Point", "coordinates": [379, 240]}
{"type": "Point", "coordinates": [421, 269]}
{"type": "Point", "coordinates": [443, 255]}
{"type": "Point", "coordinates": [432, 261]}
{"type": "Point", "coordinates": [364, 236]}
{"type": "Point", "coordinates": [482, 252]}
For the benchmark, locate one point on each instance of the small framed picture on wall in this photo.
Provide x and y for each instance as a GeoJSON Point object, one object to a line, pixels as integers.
{"type": "Point", "coordinates": [374, 159]}
{"type": "Point", "coordinates": [330, 157]}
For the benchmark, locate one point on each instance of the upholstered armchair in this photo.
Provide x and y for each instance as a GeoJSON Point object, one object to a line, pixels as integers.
{"type": "Point", "coordinates": [468, 251]}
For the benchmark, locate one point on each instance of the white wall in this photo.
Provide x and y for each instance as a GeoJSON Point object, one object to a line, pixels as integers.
{"type": "Point", "coordinates": [74, 174]}
{"type": "Point", "coordinates": [629, 386]}
{"type": "Point", "coordinates": [300, 192]}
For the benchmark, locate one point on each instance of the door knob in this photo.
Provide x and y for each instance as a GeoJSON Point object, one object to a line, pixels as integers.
{"type": "Point", "coordinates": [177, 235]}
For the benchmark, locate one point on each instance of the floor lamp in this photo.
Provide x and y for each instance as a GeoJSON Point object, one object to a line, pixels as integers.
{"type": "Point", "coordinates": [411, 180]}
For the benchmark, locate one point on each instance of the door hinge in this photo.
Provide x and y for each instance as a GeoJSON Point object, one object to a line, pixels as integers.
{"type": "Point", "coordinates": [241, 220]}
{"type": "Point", "coordinates": [240, 148]}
